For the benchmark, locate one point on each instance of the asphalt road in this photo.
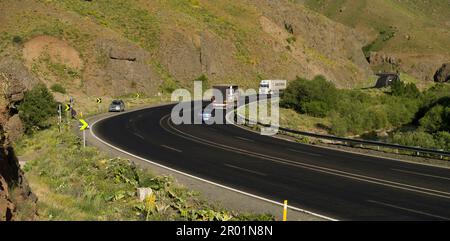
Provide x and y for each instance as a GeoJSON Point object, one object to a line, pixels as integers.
{"type": "Point", "coordinates": [332, 183]}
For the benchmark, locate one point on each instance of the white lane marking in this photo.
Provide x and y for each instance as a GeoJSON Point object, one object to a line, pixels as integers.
{"type": "Point", "coordinates": [171, 148]}
{"type": "Point", "coordinates": [420, 174]}
{"type": "Point", "coordinates": [335, 172]}
{"type": "Point", "coordinates": [204, 180]}
{"type": "Point", "coordinates": [243, 138]}
{"type": "Point", "coordinates": [138, 135]}
{"type": "Point", "coordinates": [246, 170]}
{"type": "Point", "coordinates": [408, 209]}
{"type": "Point", "coordinates": [304, 152]}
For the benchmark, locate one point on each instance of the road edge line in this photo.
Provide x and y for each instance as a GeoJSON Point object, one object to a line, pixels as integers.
{"type": "Point", "coordinates": [198, 178]}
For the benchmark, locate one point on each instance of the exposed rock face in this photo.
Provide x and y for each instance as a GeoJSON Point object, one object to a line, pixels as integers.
{"type": "Point", "coordinates": [422, 67]}
{"type": "Point", "coordinates": [15, 69]}
{"type": "Point", "coordinates": [14, 127]}
{"type": "Point", "coordinates": [376, 58]}
{"type": "Point", "coordinates": [187, 56]}
{"type": "Point", "coordinates": [7, 208]}
{"type": "Point", "coordinates": [318, 45]}
{"type": "Point", "coordinates": [288, 41]}
{"type": "Point", "coordinates": [217, 65]}
{"type": "Point", "coordinates": [126, 68]}
{"type": "Point", "coordinates": [125, 52]}
{"type": "Point", "coordinates": [11, 177]}
{"type": "Point", "coordinates": [443, 74]}
{"type": "Point", "coordinates": [181, 55]}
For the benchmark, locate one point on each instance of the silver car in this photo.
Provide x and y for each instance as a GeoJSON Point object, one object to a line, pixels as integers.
{"type": "Point", "coordinates": [117, 106]}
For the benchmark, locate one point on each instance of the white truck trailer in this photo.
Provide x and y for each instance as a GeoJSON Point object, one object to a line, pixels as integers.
{"type": "Point", "coordinates": [267, 87]}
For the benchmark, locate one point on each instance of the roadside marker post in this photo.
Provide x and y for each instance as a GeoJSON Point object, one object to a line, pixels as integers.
{"type": "Point", "coordinates": [83, 127]}
{"type": "Point", "coordinates": [59, 116]}
{"type": "Point", "coordinates": [99, 102]}
{"type": "Point", "coordinates": [67, 110]}
{"type": "Point", "coordinates": [285, 210]}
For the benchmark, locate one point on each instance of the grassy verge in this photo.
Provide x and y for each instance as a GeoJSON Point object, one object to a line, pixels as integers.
{"type": "Point", "coordinates": [75, 183]}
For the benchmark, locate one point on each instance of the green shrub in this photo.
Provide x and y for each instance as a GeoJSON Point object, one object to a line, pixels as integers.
{"type": "Point", "coordinates": [356, 112]}
{"type": "Point", "coordinates": [36, 108]}
{"type": "Point", "coordinates": [414, 138]}
{"type": "Point", "coordinates": [339, 125]}
{"type": "Point", "coordinates": [442, 140]}
{"type": "Point", "coordinates": [205, 82]}
{"type": "Point", "coordinates": [433, 119]}
{"type": "Point", "coordinates": [315, 97]}
{"type": "Point", "coordinates": [291, 39]}
{"type": "Point", "coordinates": [58, 88]}
{"type": "Point", "coordinates": [399, 88]}
{"type": "Point", "coordinates": [400, 110]}
{"type": "Point", "coordinates": [17, 40]}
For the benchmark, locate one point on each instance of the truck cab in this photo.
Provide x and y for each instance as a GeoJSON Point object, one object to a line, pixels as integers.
{"type": "Point", "coordinates": [264, 87]}
{"type": "Point", "coordinates": [229, 95]}
{"type": "Point", "coordinates": [268, 87]}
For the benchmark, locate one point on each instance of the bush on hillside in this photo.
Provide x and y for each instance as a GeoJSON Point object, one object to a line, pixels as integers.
{"type": "Point", "coordinates": [414, 138]}
{"type": "Point", "coordinates": [442, 140]}
{"type": "Point", "coordinates": [355, 112]}
{"type": "Point", "coordinates": [17, 40]}
{"type": "Point", "coordinates": [439, 140]}
{"type": "Point", "coordinates": [205, 82]}
{"type": "Point", "coordinates": [58, 88]}
{"type": "Point", "coordinates": [399, 88]}
{"type": "Point", "coordinates": [436, 119]}
{"type": "Point", "coordinates": [315, 97]}
{"type": "Point", "coordinates": [36, 108]}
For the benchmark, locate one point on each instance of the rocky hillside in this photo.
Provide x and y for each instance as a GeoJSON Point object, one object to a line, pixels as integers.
{"type": "Point", "coordinates": [114, 47]}
{"type": "Point", "coordinates": [14, 189]}
{"type": "Point", "coordinates": [410, 36]}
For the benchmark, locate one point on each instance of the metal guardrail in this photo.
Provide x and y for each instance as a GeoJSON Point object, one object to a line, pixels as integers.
{"type": "Point", "coordinates": [349, 141]}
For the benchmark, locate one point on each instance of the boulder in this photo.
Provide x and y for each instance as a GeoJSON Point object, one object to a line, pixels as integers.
{"type": "Point", "coordinates": [443, 74]}
{"type": "Point", "coordinates": [15, 90]}
{"type": "Point", "coordinates": [14, 127]}
{"type": "Point", "coordinates": [144, 192]}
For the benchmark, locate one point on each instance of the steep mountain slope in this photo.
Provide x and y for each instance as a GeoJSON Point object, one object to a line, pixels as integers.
{"type": "Point", "coordinates": [14, 189]}
{"type": "Point", "coordinates": [411, 36]}
{"type": "Point", "coordinates": [118, 47]}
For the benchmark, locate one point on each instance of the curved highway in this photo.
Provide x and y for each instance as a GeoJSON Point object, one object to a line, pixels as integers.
{"type": "Point", "coordinates": [332, 183]}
